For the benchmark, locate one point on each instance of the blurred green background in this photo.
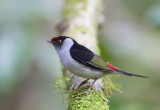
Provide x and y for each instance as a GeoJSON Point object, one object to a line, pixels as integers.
{"type": "Point", "coordinates": [29, 66]}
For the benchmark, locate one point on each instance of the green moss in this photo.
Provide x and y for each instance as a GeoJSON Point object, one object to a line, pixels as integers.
{"type": "Point", "coordinates": [109, 86]}
{"type": "Point", "coordinates": [70, 9]}
{"type": "Point", "coordinates": [89, 101]}
{"type": "Point", "coordinates": [62, 82]}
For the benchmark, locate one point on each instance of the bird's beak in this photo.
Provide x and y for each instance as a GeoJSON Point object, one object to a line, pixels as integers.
{"type": "Point", "coordinates": [49, 41]}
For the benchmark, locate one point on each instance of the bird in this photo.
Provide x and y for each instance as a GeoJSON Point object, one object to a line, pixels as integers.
{"type": "Point", "coordinates": [83, 62]}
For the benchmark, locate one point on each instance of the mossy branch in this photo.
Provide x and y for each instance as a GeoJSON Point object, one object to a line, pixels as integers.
{"type": "Point", "coordinates": [80, 21]}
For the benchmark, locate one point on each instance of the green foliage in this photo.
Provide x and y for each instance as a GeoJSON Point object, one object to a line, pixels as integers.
{"type": "Point", "coordinates": [89, 101]}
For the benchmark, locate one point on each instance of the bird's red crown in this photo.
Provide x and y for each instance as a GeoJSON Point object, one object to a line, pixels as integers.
{"type": "Point", "coordinates": [54, 38]}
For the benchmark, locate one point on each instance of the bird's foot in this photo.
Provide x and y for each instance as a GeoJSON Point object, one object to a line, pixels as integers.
{"type": "Point", "coordinates": [89, 89]}
{"type": "Point", "coordinates": [73, 89]}
{"type": "Point", "coordinates": [80, 85]}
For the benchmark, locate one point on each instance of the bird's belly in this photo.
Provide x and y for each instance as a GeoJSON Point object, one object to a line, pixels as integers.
{"type": "Point", "coordinates": [82, 70]}
{"type": "Point", "coordinates": [78, 68]}
{"type": "Point", "coordinates": [87, 73]}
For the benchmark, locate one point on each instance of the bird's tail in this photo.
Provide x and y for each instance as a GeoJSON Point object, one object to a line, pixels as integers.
{"type": "Point", "coordinates": [124, 72]}
{"type": "Point", "coordinates": [129, 74]}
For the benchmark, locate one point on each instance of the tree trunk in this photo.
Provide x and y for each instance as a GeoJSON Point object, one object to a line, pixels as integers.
{"type": "Point", "coordinates": [81, 22]}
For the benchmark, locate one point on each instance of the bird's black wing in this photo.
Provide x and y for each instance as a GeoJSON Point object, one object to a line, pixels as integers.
{"type": "Point", "coordinates": [84, 56]}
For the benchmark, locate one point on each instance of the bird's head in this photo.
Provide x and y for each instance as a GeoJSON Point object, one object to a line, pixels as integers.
{"type": "Point", "coordinates": [57, 41]}
{"type": "Point", "coordinates": [61, 42]}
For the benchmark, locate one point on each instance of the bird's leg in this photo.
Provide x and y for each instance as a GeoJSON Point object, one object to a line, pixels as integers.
{"type": "Point", "coordinates": [81, 84]}
{"type": "Point", "coordinates": [92, 85]}
{"type": "Point", "coordinates": [89, 89]}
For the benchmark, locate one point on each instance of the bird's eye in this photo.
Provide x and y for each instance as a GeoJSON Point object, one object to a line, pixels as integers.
{"type": "Point", "coordinates": [59, 41]}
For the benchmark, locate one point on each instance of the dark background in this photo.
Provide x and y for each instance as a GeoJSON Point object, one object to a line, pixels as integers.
{"type": "Point", "coordinates": [29, 66]}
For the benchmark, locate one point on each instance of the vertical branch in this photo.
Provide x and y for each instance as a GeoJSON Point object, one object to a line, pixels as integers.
{"type": "Point", "coordinates": [80, 21]}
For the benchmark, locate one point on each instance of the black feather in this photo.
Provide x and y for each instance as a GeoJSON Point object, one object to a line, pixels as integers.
{"type": "Point", "coordinates": [129, 74]}
{"type": "Point", "coordinates": [83, 55]}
